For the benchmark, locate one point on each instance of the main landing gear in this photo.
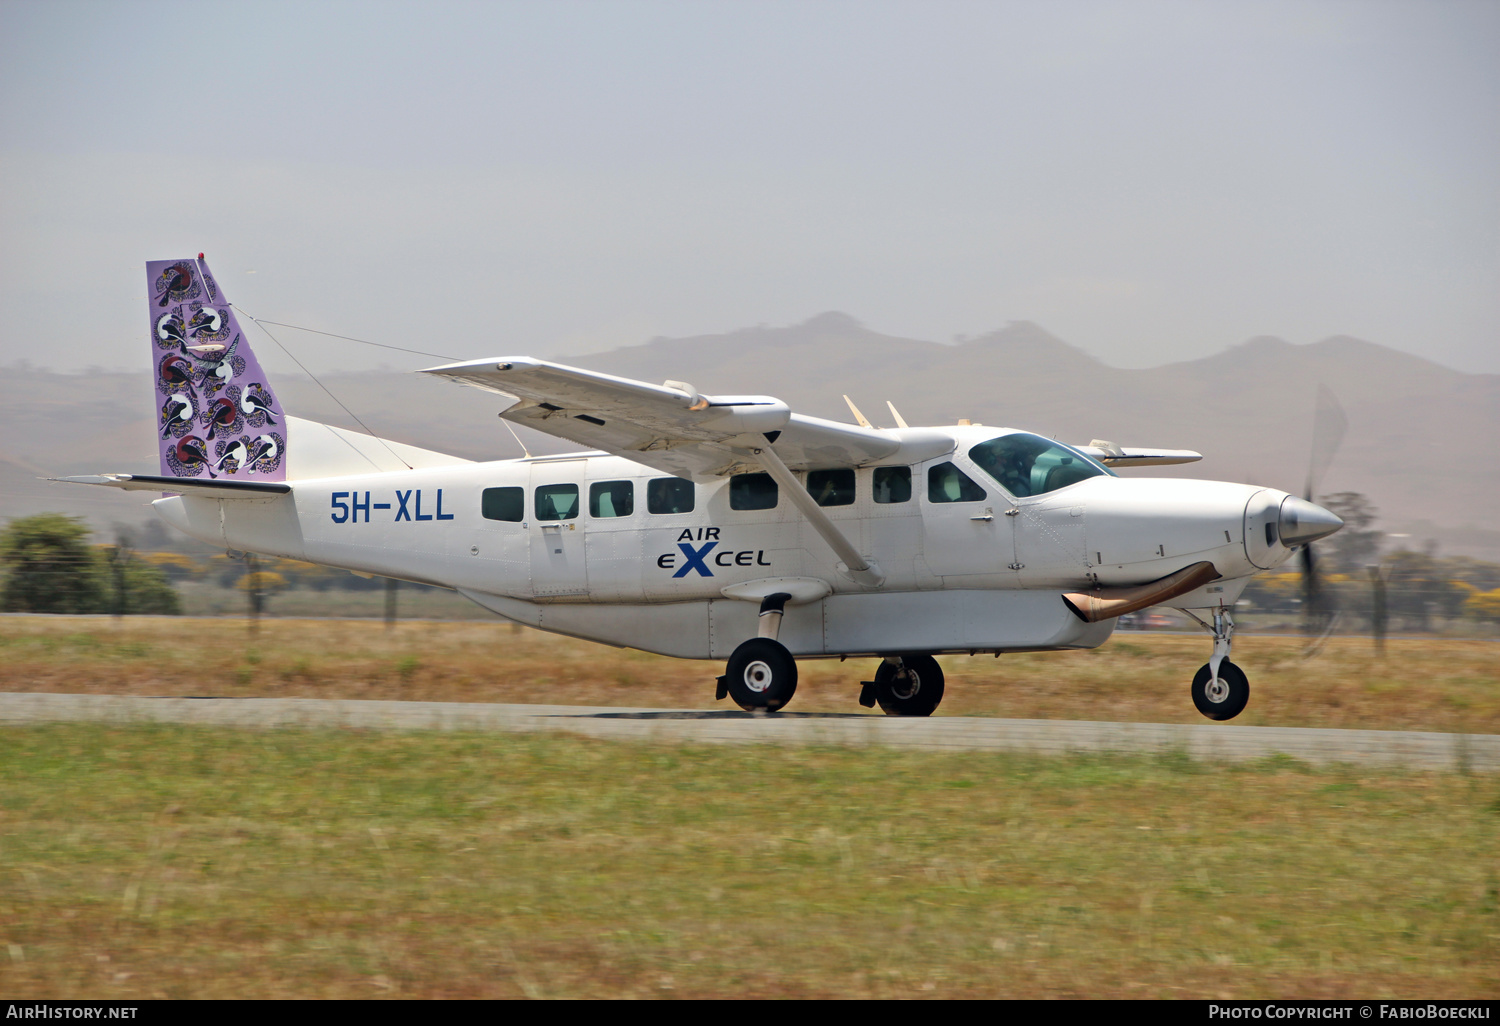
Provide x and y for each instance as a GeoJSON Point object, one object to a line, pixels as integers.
{"type": "Point", "coordinates": [905, 686]}
{"type": "Point", "coordinates": [1220, 688]}
{"type": "Point", "coordinates": [762, 675]}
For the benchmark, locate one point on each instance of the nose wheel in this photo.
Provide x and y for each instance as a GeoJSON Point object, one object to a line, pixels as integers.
{"type": "Point", "coordinates": [1220, 688]}
{"type": "Point", "coordinates": [1221, 697]}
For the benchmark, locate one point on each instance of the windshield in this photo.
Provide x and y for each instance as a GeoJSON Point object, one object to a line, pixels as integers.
{"type": "Point", "coordinates": [1030, 464]}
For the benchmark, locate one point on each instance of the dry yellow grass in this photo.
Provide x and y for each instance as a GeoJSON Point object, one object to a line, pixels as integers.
{"type": "Point", "coordinates": [1421, 684]}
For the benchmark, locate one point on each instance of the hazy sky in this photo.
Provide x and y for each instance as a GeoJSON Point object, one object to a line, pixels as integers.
{"type": "Point", "coordinates": [1149, 181]}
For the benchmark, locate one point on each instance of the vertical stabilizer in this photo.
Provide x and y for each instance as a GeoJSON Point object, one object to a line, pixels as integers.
{"type": "Point", "coordinates": [217, 415]}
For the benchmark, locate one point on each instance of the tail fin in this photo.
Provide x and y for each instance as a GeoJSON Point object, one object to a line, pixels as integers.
{"type": "Point", "coordinates": [218, 415]}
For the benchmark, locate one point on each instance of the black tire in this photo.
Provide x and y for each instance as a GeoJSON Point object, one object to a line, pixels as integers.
{"type": "Point", "coordinates": [1228, 699]}
{"type": "Point", "coordinates": [762, 675]}
{"type": "Point", "coordinates": [913, 689]}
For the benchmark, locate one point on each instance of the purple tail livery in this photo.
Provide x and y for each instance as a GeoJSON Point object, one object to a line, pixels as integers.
{"type": "Point", "coordinates": [219, 417]}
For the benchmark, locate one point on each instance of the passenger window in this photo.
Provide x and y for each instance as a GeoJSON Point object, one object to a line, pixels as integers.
{"type": "Point", "coordinates": [946, 483]}
{"type": "Point", "coordinates": [611, 499]}
{"type": "Point", "coordinates": [831, 487]}
{"type": "Point", "coordinates": [752, 491]}
{"type": "Point", "coordinates": [669, 495]}
{"type": "Point", "coordinates": [557, 502]}
{"type": "Point", "coordinates": [503, 504]}
{"type": "Point", "coordinates": [892, 484]}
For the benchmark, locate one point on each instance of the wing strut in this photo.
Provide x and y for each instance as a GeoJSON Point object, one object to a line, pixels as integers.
{"type": "Point", "coordinates": [859, 569]}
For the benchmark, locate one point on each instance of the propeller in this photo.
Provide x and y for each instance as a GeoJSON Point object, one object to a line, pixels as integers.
{"type": "Point", "coordinates": [1329, 425]}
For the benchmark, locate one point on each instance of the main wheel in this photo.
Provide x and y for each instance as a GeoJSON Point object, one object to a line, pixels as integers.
{"type": "Point", "coordinates": [913, 689]}
{"type": "Point", "coordinates": [762, 675]}
{"type": "Point", "coordinates": [1224, 698]}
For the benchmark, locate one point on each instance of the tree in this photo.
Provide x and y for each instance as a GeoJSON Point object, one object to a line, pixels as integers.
{"type": "Point", "coordinates": [50, 568]}
{"type": "Point", "coordinates": [1355, 545]}
{"type": "Point", "coordinates": [142, 587]}
{"type": "Point", "coordinates": [1483, 605]}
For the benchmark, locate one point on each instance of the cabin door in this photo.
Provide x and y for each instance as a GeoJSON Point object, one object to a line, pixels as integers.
{"type": "Point", "coordinates": [964, 530]}
{"type": "Point", "coordinates": [558, 566]}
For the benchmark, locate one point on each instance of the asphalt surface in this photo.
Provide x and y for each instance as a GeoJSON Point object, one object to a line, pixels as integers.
{"type": "Point", "coordinates": [1478, 753]}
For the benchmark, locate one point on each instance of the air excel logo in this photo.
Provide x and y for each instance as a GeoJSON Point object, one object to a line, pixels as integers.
{"type": "Point", "coordinates": [702, 558]}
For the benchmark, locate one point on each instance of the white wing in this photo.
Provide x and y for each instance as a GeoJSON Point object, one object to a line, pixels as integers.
{"type": "Point", "coordinates": [674, 429]}
{"type": "Point", "coordinates": [1112, 455]}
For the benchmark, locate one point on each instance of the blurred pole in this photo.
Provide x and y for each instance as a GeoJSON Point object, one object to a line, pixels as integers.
{"type": "Point", "coordinates": [1377, 609]}
{"type": "Point", "coordinates": [117, 572]}
{"type": "Point", "coordinates": [117, 558]}
{"type": "Point", "coordinates": [391, 584]}
{"type": "Point", "coordinates": [252, 585]}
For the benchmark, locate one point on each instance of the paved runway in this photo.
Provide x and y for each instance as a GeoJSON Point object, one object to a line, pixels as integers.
{"type": "Point", "coordinates": [1206, 741]}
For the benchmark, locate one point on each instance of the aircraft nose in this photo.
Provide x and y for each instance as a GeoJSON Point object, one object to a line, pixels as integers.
{"type": "Point", "coordinates": [1302, 522]}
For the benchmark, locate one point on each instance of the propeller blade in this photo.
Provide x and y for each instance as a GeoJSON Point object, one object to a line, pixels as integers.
{"type": "Point", "coordinates": [1329, 425]}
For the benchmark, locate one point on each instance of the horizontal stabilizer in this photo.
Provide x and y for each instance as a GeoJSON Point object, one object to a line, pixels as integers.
{"type": "Point", "coordinates": [185, 485]}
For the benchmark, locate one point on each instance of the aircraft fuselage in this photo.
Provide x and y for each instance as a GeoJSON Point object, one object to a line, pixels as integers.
{"type": "Point", "coordinates": [598, 546]}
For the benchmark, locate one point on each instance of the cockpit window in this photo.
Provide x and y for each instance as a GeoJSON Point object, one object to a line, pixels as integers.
{"type": "Point", "coordinates": [1030, 465]}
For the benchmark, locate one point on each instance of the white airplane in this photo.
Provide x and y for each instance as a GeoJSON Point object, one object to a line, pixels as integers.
{"type": "Point", "coordinates": [716, 526]}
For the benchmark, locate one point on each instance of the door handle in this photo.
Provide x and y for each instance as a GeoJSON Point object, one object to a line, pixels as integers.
{"type": "Point", "coordinates": [985, 517]}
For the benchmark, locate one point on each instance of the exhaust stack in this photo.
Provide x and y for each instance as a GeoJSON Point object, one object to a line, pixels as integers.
{"type": "Point", "coordinates": [1104, 603]}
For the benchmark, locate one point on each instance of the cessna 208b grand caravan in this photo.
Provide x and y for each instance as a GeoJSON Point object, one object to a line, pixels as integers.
{"type": "Point", "coordinates": [715, 526]}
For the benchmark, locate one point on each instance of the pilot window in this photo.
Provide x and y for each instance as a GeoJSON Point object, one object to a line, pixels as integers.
{"type": "Point", "coordinates": [557, 502]}
{"type": "Point", "coordinates": [892, 484]}
{"type": "Point", "coordinates": [752, 491]}
{"type": "Point", "coordinates": [946, 483]}
{"type": "Point", "coordinates": [1030, 464]}
{"type": "Point", "coordinates": [611, 499]}
{"type": "Point", "coordinates": [669, 495]}
{"type": "Point", "coordinates": [503, 504]}
{"type": "Point", "coordinates": [830, 487]}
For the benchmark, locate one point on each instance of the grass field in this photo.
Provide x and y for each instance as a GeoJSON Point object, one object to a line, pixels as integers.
{"type": "Point", "coordinates": [1421, 684]}
{"type": "Point", "coordinates": [190, 862]}
{"type": "Point", "coordinates": [182, 862]}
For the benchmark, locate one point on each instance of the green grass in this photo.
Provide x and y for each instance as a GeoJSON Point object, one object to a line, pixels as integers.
{"type": "Point", "coordinates": [184, 862]}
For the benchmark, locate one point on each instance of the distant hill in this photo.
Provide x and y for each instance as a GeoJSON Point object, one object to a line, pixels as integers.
{"type": "Point", "coordinates": [1419, 441]}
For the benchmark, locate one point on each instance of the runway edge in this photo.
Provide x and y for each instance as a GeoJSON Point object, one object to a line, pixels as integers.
{"type": "Point", "coordinates": [1476, 753]}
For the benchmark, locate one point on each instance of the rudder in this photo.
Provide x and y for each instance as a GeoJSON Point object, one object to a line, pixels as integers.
{"type": "Point", "coordinates": [217, 414]}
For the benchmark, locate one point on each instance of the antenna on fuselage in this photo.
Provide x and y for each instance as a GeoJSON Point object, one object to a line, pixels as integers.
{"type": "Point", "coordinates": [860, 417]}
{"type": "Point", "coordinates": [900, 420]}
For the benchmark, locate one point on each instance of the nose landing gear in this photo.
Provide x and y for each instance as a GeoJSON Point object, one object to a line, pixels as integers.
{"type": "Point", "coordinates": [1220, 688]}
